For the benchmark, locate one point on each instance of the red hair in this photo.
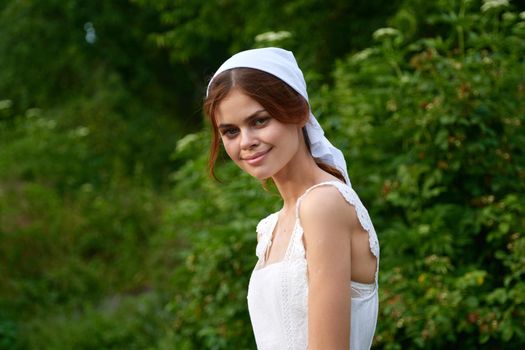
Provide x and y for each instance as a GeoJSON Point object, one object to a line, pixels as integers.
{"type": "Point", "coordinates": [281, 101]}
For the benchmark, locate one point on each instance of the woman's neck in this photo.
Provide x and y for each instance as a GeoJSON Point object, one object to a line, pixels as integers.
{"type": "Point", "coordinates": [297, 176]}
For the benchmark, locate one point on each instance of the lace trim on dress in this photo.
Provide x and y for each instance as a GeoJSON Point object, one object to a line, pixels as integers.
{"type": "Point", "coordinates": [352, 198]}
{"type": "Point", "coordinates": [264, 231]}
{"type": "Point", "coordinates": [294, 291]}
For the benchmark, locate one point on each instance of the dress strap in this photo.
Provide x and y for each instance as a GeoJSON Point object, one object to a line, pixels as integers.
{"type": "Point", "coordinates": [351, 198]}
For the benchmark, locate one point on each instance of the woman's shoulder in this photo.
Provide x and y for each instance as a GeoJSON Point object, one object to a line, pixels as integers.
{"type": "Point", "coordinates": [333, 204]}
{"type": "Point", "coordinates": [331, 194]}
{"type": "Point", "coordinates": [326, 201]}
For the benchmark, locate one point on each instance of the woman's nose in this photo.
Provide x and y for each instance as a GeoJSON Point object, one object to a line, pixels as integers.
{"type": "Point", "coordinates": [248, 139]}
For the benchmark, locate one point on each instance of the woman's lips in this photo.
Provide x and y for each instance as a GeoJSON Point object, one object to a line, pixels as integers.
{"type": "Point", "coordinates": [256, 158]}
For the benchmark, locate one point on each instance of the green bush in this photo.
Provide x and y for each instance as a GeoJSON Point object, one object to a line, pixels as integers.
{"type": "Point", "coordinates": [435, 139]}
{"type": "Point", "coordinates": [70, 236]}
{"type": "Point", "coordinates": [433, 133]}
{"type": "Point", "coordinates": [121, 322]}
{"type": "Point", "coordinates": [94, 245]}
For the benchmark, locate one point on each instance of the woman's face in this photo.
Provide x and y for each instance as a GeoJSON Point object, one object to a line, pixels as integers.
{"type": "Point", "coordinates": [256, 142]}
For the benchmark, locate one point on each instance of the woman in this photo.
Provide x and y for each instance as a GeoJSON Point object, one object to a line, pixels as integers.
{"type": "Point", "coordinates": [315, 283]}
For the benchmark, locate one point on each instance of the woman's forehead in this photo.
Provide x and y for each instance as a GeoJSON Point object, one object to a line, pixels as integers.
{"type": "Point", "coordinates": [236, 107]}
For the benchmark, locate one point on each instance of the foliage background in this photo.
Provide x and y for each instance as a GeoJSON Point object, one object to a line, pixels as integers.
{"type": "Point", "coordinates": [113, 237]}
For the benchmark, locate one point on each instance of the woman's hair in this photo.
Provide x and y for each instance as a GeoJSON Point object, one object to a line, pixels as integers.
{"type": "Point", "coordinates": [281, 101]}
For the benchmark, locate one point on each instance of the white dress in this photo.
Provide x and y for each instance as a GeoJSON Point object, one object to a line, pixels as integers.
{"type": "Point", "coordinates": [278, 293]}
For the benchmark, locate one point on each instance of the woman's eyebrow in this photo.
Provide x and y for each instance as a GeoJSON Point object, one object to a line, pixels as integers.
{"type": "Point", "coordinates": [248, 119]}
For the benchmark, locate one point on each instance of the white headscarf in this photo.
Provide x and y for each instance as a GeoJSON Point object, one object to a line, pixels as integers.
{"type": "Point", "coordinates": [282, 64]}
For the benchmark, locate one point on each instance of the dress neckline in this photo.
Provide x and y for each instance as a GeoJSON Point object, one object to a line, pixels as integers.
{"type": "Point", "coordinates": [269, 243]}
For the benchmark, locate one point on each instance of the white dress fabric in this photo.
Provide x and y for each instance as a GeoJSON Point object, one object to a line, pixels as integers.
{"type": "Point", "coordinates": [278, 293]}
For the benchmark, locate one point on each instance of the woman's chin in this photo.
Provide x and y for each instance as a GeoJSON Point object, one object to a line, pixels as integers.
{"type": "Point", "coordinates": [260, 175]}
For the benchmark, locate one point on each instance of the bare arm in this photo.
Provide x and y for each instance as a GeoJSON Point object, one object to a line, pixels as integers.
{"type": "Point", "coordinates": [327, 221]}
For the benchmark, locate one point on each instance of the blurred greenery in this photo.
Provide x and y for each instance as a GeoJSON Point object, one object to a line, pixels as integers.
{"type": "Point", "coordinates": [112, 236]}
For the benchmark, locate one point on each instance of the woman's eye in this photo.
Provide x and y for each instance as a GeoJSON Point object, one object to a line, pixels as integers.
{"type": "Point", "coordinates": [261, 121]}
{"type": "Point", "coordinates": [229, 132]}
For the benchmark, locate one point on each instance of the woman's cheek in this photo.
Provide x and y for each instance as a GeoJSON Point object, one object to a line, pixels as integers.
{"type": "Point", "coordinates": [230, 149]}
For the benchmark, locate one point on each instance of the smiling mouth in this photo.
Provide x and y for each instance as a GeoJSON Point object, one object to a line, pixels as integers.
{"type": "Point", "coordinates": [253, 159]}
